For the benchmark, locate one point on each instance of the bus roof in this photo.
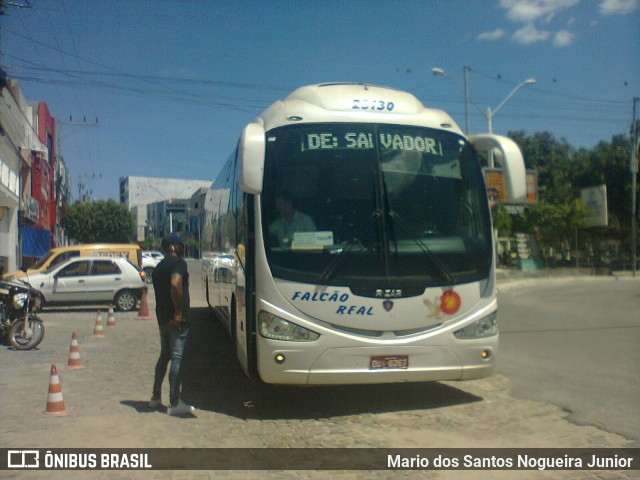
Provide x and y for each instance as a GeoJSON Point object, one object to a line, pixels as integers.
{"type": "Point", "coordinates": [354, 102]}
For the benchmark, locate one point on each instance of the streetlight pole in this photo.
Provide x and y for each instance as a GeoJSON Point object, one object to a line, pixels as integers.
{"type": "Point", "coordinates": [465, 74]}
{"type": "Point", "coordinates": [439, 72]}
{"type": "Point", "coordinates": [634, 174]}
{"type": "Point", "coordinates": [165, 198]}
{"type": "Point", "coordinates": [635, 145]}
{"type": "Point", "coordinates": [491, 113]}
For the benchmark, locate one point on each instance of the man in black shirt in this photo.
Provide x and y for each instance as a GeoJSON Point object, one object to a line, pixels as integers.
{"type": "Point", "coordinates": [171, 286]}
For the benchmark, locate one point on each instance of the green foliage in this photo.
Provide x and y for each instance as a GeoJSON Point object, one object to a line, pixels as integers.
{"type": "Point", "coordinates": [552, 160]}
{"type": "Point", "coordinates": [192, 247]}
{"type": "Point", "coordinates": [150, 244]}
{"type": "Point", "coordinates": [101, 221]}
{"type": "Point", "coordinates": [553, 224]}
{"type": "Point", "coordinates": [502, 221]}
{"type": "Point", "coordinates": [608, 163]}
{"type": "Point", "coordinates": [563, 172]}
{"type": "Point", "coordinates": [554, 221]}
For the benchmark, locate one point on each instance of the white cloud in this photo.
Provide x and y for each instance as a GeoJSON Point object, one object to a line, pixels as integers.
{"type": "Point", "coordinates": [530, 34]}
{"type": "Point", "coordinates": [526, 11]}
{"type": "Point", "coordinates": [562, 38]}
{"type": "Point", "coordinates": [619, 7]}
{"type": "Point", "coordinates": [532, 14]}
{"type": "Point", "coordinates": [522, 10]}
{"type": "Point", "coordinates": [491, 36]}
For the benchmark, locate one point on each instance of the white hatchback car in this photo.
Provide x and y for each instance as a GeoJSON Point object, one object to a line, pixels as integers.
{"type": "Point", "coordinates": [150, 259]}
{"type": "Point", "coordinates": [156, 255]}
{"type": "Point", "coordinates": [83, 280]}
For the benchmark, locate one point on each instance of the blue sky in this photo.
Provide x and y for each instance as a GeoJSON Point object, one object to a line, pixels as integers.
{"type": "Point", "coordinates": [172, 83]}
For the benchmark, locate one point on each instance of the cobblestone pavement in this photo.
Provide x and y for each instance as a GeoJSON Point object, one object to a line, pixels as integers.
{"type": "Point", "coordinates": [107, 401]}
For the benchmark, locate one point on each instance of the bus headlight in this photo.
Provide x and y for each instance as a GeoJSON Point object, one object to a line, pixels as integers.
{"type": "Point", "coordinates": [277, 328]}
{"type": "Point", "coordinates": [485, 327]}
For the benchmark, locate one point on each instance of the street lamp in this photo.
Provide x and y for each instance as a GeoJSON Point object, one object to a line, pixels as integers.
{"type": "Point", "coordinates": [491, 113]}
{"type": "Point", "coordinates": [439, 72]}
{"type": "Point", "coordinates": [170, 198]}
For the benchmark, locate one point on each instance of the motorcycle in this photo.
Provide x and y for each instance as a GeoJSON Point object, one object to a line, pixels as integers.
{"type": "Point", "coordinates": [19, 322]}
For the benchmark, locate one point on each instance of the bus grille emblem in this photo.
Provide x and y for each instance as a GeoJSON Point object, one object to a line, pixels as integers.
{"type": "Point", "coordinates": [388, 305]}
{"type": "Point", "coordinates": [389, 293]}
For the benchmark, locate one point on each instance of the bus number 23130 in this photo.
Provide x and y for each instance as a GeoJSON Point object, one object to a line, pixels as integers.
{"type": "Point", "coordinates": [366, 104]}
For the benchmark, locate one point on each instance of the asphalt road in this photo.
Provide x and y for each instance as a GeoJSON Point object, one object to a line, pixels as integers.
{"type": "Point", "coordinates": [574, 343]}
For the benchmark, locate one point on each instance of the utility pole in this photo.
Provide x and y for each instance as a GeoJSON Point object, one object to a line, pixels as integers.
{"type": "Point", "coordinates": [465, 71]}
{"type": "Point", "coordinates": [82, 186]}
{"type": "Point", "coordinates": [83, 123]}
{"type": "Point", "coordinates": [633, 167]}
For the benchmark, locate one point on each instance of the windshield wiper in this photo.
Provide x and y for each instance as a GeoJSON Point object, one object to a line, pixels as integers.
{"type": "Point", "coordinates": [444, 272]}
{"type": "Point", "coordinates": [440, 267]}
{"type": "Point", "coordinates": [330, 271]}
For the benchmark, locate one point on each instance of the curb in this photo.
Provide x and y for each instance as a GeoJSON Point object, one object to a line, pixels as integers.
{"type": "Point", "coordinates": [509, 283]}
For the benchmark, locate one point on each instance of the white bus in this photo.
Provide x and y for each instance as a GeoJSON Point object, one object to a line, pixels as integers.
{"type": "Point", "coordinates": [348, 240]}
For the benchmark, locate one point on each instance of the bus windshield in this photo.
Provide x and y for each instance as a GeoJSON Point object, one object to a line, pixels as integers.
{"type": "Point", "coordinates": [365, 206]}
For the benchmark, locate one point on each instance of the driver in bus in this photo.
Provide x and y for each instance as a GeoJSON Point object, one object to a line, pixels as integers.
{"type": "Point", "coordinates": [290, 221]}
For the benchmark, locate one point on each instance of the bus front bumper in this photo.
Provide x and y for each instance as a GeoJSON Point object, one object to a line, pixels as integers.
{"type": "Point", "coordinates": [367, 365]}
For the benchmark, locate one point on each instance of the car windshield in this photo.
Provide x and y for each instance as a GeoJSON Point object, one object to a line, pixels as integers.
{"type": "Point", "coordinates": [42, 261]}
{"type": "Point", "coordinates": [347, 204]}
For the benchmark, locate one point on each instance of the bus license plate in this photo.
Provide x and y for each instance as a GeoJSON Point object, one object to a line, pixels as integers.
{"type": "Point", "coordinates": [388, 362]}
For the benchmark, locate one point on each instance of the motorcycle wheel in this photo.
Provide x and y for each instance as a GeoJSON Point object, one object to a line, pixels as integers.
{"type": "Point", "coordinates": [21, 341]}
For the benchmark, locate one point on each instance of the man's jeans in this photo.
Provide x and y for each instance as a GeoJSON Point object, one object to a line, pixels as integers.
{"type": "Point", "coordinates": [172, 342]}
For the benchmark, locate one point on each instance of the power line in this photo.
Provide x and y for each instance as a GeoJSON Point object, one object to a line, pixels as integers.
{"type": "Point", "coordinates": [159, 80]}
{"type": "Point", "coordinates": [573, 107]}
{"type": "Point", "coordinates": [150, 78]}
{"type": "Point", "coordinates": [130, 76]}
{"type": "Point", "coordinates": [224, 100]}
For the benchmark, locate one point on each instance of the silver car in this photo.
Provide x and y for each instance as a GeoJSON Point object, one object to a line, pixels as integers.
{"type": "Point", "coordinates": [83, 280]}
{"type": "Point", "coordinates": [150, 260]}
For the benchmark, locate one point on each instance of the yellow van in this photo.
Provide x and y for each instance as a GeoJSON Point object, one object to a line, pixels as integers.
{"type": "Point", "coordinates": [60, 254]}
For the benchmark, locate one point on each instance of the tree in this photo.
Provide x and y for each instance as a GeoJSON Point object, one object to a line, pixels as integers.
{"type": "Point", "coordinates": [101, 221]}
{"type": "Point", "coordinates": [553, 160]}
{"type": "Point", "coordinates": [502, 221]}
{"type": "Point", "coordinates": [608, 163]}
{"type": "Point", "coordinates": [553, 225]}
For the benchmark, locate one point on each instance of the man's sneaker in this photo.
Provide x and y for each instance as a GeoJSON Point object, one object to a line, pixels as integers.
{"type": "Point", "coordinates": [155, 402]}
{"type": "Point", "coordinates": [181, 409]}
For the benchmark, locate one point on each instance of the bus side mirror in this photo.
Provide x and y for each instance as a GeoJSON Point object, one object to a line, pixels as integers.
{"type": "Point", "coordinates": [508, 155]}
{"type": "Point", "coordinates": [251, 151]}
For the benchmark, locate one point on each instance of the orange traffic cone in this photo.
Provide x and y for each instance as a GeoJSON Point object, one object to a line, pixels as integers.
{"type": "Point", "coordinates": [55, 403]}
{"type": "Point", "coordinates": [111, 318]}
{"type": "Point", "coordinates": [143, 313]}
{"type": "Point", "coordinates": [74, 362]}
{"type": "Point", "coordinates": [98, 331]}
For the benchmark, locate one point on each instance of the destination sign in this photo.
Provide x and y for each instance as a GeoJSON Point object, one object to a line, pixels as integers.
{"type": "Point", "coordinates": [367, 141]}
